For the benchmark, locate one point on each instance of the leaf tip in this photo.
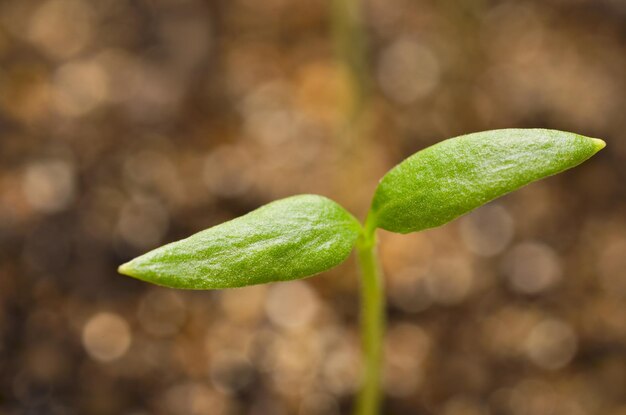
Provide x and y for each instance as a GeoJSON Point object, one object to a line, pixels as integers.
{"type": "Point", "coordinates": [126, 269]}
{"type": "Point", "coordinates": [598, 144]}
{"type": "Point", "coordinates": [130, 269]}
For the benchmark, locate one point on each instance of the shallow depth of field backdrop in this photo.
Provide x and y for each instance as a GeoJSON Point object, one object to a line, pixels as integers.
{"type": "Point", "coordinates": [127, 124]}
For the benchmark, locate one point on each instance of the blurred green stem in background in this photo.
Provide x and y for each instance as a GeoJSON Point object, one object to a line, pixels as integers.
{"type": "Point", "coordinates": [372, 323]}
{"type": "Point", "coordinates": [351, 48]}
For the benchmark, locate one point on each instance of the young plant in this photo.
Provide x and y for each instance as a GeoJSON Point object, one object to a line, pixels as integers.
{"type": "Point", "coordinates": [303, 235]}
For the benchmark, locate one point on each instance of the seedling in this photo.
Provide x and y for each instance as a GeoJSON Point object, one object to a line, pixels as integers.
{"type": "Point", "coordinates": [303, 235]}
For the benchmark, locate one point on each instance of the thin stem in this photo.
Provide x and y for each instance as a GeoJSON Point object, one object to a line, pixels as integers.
{"type": "Point", "coordinates": [372, 324]}
{"type": "Point", "coordinates": [349, 37]}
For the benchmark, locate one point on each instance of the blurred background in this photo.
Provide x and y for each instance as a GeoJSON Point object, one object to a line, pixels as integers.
{"type": "Point", "coordinates": [126, 124]}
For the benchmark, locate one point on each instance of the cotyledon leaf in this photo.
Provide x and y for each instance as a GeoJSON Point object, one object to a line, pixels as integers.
{"type": "Point", "coordinates": [284, 240]}
{"type": "Point", "coordinates": [455, 176]}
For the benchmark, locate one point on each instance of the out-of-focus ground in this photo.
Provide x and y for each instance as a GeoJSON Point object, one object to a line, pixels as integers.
{"type": "Point", "coordinates": [128, 124]}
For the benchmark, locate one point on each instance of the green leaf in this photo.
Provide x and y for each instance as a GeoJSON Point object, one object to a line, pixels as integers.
{"type": "Point", "coordinates": [287, 239]}
{"type": "Point", "coordinates": [455, 176]}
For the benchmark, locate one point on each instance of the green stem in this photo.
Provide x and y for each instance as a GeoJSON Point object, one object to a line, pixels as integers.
{"type": "Point", "coordinates": [372, 324]}
{"type": "Point", "coordinates": [351, 48]}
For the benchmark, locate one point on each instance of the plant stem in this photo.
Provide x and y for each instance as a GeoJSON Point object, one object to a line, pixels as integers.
{"type": "Point", "coordinates": [372, 324]}
{"type": "Point", "coordinates": [349, 37]}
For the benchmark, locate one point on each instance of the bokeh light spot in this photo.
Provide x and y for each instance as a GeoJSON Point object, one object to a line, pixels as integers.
{"type": "Point", "coordinates": [487, 231]}
{"type": "Point", "coordinates": [62, 28]}
{"type": "Point", "coordinates": [551, 344]}
{"type": "Point", "coordinates": [532, 268]}
{"type": "Point", "coordinates": [291, 305]}
{"type": "Point", "coordinates": [49, 185]}
{"type": "Point", "coordinates": [450, 280]}
{"type": "Point", "coordinates": [106, 337]}
{"type": "Point", "coordinates": [408, 71]}
{"type": "Point", "coordinates": [79, 87]}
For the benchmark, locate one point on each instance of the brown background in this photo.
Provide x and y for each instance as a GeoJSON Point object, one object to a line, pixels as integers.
{"type": "Point", "coordinates": [127, 124]}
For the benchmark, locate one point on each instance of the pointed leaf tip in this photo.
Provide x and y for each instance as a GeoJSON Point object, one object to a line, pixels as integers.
{"type": "Point", "coordinates": [598, 143]}
{"type": "Point", "coordinates": [125, 269]}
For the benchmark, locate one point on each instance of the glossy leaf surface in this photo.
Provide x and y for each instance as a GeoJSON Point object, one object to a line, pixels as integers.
{"type": "Point", "coordinates": [287, 239]}
{"type": "Point", "coordinates": [455, 176]}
